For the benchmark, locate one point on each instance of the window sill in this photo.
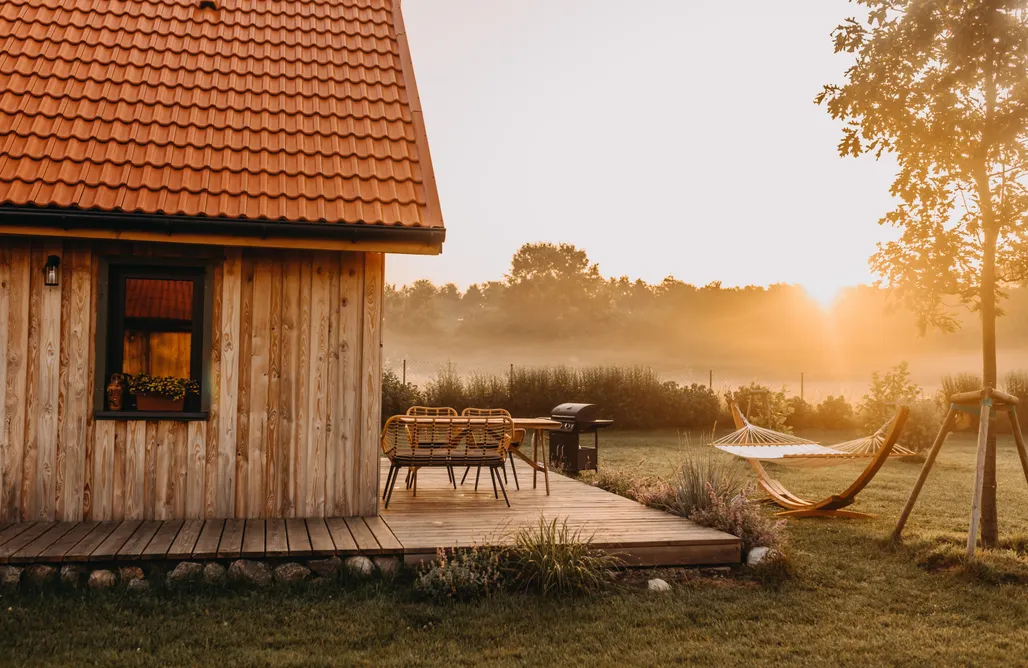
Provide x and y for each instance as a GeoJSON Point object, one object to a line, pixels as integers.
{"type": "Point", "coordinates": [152, 415]}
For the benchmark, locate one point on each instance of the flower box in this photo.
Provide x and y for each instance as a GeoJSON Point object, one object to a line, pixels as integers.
{"type": "Point", "coordinates": [157, 402]}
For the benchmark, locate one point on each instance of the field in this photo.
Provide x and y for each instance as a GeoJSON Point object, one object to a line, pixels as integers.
{"type": "Point", "coordinates": [855, 601]}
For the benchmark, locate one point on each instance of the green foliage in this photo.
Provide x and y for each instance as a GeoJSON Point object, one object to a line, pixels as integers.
{"type": "Point", "coordinates": [623, 483]}
{"type": "Point", "coordinates": [764, 407]}
{"type": "Point", "coordinates": [741, 516]}
{"type": "Point", "coordinates": [695, 484]}
{"type": "Point", "coordinates": [397, 396]}
{"type": "Point", "coordinates": [884, 394]}
{"type": "Point", "coordinates": [552, 559]}
{"type": "Point", "coordinates": [165, 386]}
{"type": "Point", "coordinates": [464, 575]}
{"type": "Point", "coordinates": [941, 86]}
{"type": "Point", "coordinates": [634, 396]}
{"type": "Point", "coordinates": [835, 413]}
{"type": "Point", "coordinates": [922, 426]}
{"type": "Point", "coordinates": [1016, 383]}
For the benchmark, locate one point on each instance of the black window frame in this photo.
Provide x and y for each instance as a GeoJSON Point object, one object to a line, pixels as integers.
{"type": "Point", "coordinates": [110, 333]}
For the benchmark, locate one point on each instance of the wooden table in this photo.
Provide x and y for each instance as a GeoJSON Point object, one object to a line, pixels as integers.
{"type": "Point", "coordinates": [539, 428]}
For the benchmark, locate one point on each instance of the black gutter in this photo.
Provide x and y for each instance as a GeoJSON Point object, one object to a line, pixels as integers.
{"type": "Point", "coordinates": [69, 220]}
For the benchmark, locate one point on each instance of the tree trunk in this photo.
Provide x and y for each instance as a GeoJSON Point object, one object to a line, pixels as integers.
{"type": "Point", "coordinates": [990, 524]}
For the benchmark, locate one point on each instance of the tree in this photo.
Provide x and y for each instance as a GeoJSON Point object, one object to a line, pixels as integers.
{"type": "Point", "coordinates": [942, 85]}
{"type": "Point", "coordinates": [885, 393]}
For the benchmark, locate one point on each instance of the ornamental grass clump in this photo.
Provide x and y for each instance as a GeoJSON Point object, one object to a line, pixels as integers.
{"type": "Point", "coordinates": [164, 386]}
{"type": "Point", "coordinates": [695, 484]}
{"type": "Point", "coordinates": [552, 559]}
{"type": "Point", "coordinates": [741, 516]}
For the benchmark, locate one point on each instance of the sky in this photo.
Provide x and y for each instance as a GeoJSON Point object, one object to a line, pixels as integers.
{"type": "Point", "coordinates": [665, 137]}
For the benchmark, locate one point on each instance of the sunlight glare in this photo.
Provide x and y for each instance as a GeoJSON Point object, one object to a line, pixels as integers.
{"type": "Point", "coordinates": [824, 293]}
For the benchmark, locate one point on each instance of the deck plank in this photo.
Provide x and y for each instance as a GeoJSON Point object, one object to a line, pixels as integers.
{"type": "Point", "coordinates": [108, 549]}
{"type": "Point", "coordinates": [321, 539]}
{"type": "Point", "coordinates": [24, 538]}
{"type": "Point", "coordinates": [12, 530]}
{"type": "Point", "coordinates": [253, 540]}
{"type": "Point", "coordinates": [384, 535]}
{"type": "Point", "coordinates": [137, 542]}
{"type": "Point", "coordinates": [365, 538]}
{"type": "Point", "coordinates": [85, 547]}
{"type": "Point", "coordinates": [275, 542]}
{"type": "Point", "coordinates": [30, 552]}
{"type": "Point", "coordinates": [60, 547]}
{"type": "Point", "coordinates": [231, 545]}
{"type": "Point", "coordinates": [159, 545]}
{"type": "Point", "coordinates": [185, 541]}
{"type": "Point", "coordinates": [210, 537]}
{"type": "Point", "coordinates": [299, 541]}
{"type": "Point", "coordinates": [341, 536]}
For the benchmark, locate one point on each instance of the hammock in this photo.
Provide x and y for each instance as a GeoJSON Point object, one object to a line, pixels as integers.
{"type": "Point", "coordinates": [759, 444]}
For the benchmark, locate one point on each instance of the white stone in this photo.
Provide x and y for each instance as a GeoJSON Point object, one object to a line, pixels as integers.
{"type": "Point", "coordinates": [10, 577]}
{"type": "Point", "coordinates": [102, 579]}
{"type": "Point", "coordinates": [326, 568]}
{"type": "Point", "coordinates": [40, 575]}
{"type": "Point", "coordinates": [138, 586]}
{"type": "Point", "coordinates": [291, 573]}
{"type": "Point", "coordinates": [360, 566]}
{"type": "Point", "coordinates": [656, 584]}
{"type": "Point", "coordinates": [757, 555]}
{"type": "Point", "coordinates": [72, 575]}
{"type": "Point", "coordinates": [250, 572]}
{"type": "Point", "coordinates": [214, 574]}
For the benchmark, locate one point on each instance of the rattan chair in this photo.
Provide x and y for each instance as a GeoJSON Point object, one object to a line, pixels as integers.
{"type": "Point", "coordinates": [457, 441]}
{"type": "Point", "coordinates": [517, 440]}
{"type": "Point", "coordinates": [425, 438]}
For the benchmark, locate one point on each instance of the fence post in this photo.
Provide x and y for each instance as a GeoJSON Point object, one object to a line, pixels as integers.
{"type": "Point", "coordinates": [801, 385]}
{"type": "Point", "coordinates": [711, 385]}
{"type": "Point", "coordinates": [404, 370]}
{"type": "Point", "coordinates": [510, 384]}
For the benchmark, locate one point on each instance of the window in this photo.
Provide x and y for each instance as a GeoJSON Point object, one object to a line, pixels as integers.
{"type": "Point", "coordinates": [156, 323]}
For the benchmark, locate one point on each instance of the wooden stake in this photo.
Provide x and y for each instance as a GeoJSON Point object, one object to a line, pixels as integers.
{"type": "Point", "coordinates": [944, 431]}
{"type": "Point", "coordinates": [979, 478]}
{"type": "Point", "coordinates": [1018, 439]}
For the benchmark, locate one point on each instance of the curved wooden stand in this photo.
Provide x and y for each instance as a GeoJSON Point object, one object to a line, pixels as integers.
{"type": "Point", "coordinates": [833, 505]}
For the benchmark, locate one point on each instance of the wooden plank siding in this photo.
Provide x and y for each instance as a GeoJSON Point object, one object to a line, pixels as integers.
{"type": "Point", "coordinates": [294, 383]}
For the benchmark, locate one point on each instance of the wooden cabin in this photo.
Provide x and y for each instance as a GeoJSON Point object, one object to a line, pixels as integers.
{"type": "Point", "coordinates": [203, 191]}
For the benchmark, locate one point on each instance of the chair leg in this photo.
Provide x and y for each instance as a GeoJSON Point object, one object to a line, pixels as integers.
{"type": "Point", "coordinates": [389, 495]}
{"type": "Point", "coordinates": [515, 472]}
{"type": "Point", "coordinates": [389, 479]}
{"type": "Point", "coordinates": [494, 475]}
{"type": "Point", "coordinates": [410, 477]}
{"type": "Point", "coordinates": [504, 490]}
{"type": "Point", "coordinates": [415, 483]}
{"type": "Point", "coordinates": [466, 471]}
{"type": "Point", "coordinates": [505, 473]}
{"type": "Point", "coordinates": [478, 472]}
{"type": "Point", "coordinates": [453, 476]}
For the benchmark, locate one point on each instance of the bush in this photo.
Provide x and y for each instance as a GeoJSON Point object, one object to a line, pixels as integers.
{"type": "Point", "coordinates": [464, 575]}
{"type": "Point", "coordinates": [763, 406]}
{"type": "Point", "coordinates": [884, 393]}
{"type": "Point", "coordinates": [742, 517]}
{"type": "Point", "coordinates": [1016, 383]}
{"type": "Point", "coordinates": [551, 559]}
{"type": "Point", "coordinates": [691, 487]}
{"type": "Point", "coordinates": [397, 396]}
{"type": "Point", "coordinates": [922, 426]}
{"type": "Point", "coordinates": [835, 413]}
{"type": "Point", "coordinates": [623, 484]}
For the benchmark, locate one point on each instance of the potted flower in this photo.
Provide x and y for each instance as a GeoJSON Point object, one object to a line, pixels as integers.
{"type": "Point", "coordinates": [156, 393]}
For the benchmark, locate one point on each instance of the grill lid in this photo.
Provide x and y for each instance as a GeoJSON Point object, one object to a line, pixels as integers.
{"type": "Point", "coordinates": [575, 413]}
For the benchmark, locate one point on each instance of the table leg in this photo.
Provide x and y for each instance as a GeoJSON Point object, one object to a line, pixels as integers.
{"type": "Point", "coordinates": [546, 461]}
{"type": "Point", "coordinates": [535, 457]}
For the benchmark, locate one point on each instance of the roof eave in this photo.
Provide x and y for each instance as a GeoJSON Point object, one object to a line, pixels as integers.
{"type": "Point", "coordinates": [70, 223]}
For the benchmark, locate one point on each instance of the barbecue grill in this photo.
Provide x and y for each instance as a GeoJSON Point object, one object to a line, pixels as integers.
{"type": "Point", "coordinates": [566, 450]}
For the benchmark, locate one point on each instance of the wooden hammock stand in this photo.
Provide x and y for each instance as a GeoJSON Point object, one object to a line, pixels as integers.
{"type": "Point", "coordinates": [989, 400]}
{"type": "Point", "coordinates": [833, 505]}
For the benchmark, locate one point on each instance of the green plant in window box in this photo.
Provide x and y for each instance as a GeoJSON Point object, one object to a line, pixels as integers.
{"type": "Point", "coordinates": [161, 393]}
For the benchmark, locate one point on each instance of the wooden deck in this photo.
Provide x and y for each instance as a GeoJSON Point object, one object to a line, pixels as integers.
{"type": "Point", "coordinates": [443, 517]}
{"type": "Point", "coordinates": [412, 527]}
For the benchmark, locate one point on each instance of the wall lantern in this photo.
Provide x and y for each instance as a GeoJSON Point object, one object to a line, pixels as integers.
{"type": "Point", "coordinates": [50, 277]}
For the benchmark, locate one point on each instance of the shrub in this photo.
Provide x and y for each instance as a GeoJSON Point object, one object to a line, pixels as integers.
{"type": "Point", "coordinates": [691, 486]}
{"type": "Point", "coordinates": [835, 413]}
{"type": "Point", "coordinates": [464, 575]}
{"type": "Point", "coordinates": [742, 517]}
{"type": "Point", "coordinates": [922, 426]}
{"type": "Point", "coordinates": [552, 559]}
{"type": "Point", "coordinates": [622, 483]}
{"type": "Point", "coordinates": [1016, 383]}
{"type": "Point", "coordinates": [397, 396]}
{"type": "Point", "coordinates": [885, 391]}
{"type": "Point", "coordinates": [763, 406]}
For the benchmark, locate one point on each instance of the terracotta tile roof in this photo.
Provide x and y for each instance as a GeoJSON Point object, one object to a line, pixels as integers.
{"type": "Point", "coordinates": [269, 109]}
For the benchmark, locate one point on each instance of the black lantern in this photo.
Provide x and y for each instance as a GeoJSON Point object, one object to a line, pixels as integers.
{"type": "Point", "coordinates": [50, 277]}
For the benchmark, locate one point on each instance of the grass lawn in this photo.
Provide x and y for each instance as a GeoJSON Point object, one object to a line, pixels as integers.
{"type": "Point", "coordinates": [855, 601]}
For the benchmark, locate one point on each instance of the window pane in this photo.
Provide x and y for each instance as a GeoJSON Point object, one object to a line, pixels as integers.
{"type": "Point", "coordinates": [158, 327]}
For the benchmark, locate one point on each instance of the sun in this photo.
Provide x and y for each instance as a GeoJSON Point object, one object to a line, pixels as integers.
{"type": "Point", "coordinates": [825, 293]}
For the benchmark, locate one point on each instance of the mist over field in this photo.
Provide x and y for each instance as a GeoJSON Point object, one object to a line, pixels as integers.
{"type": "Point", "coordinates": [554, 307]}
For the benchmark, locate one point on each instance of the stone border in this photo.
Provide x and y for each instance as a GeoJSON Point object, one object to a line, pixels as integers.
{"type": "Point", "coordinates": [245, 572]}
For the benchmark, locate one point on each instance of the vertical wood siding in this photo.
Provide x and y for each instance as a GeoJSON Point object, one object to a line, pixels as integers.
{"type": "Point", "coordinates": [295, 388]}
